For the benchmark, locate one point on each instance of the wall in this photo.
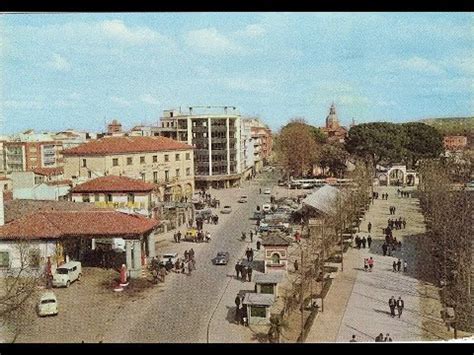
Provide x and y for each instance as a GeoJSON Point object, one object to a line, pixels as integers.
{"type": "Point", "coordinates": [46, 248]}
{"type": "Point", "coordinates": [143, 200]}
{"type": "Point", "coordinates": [41, 192]}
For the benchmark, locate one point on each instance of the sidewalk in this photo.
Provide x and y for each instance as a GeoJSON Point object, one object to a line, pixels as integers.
{"type": "Point", "coordinates": [357, 302]}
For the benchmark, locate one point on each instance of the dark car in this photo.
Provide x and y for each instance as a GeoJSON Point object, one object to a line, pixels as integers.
{"type": "Point", "coordinates": [222, 258]}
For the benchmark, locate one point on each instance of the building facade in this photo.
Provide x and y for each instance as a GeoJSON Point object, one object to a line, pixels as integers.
{"type": "Point", "coordinates": [214, 132]}
{"type": "Point", "coordinates": [158, 160]}
{"type": "Point", "coordinates": [27, 156]}
{"type": "Point", "coordinates": [334, 131]}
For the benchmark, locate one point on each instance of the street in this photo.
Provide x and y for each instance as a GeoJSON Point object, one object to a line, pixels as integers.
{"type": "Point", "coordinates": [180, 311]}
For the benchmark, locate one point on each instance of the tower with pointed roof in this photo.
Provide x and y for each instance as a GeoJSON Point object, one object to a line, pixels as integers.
{"type": "Point", "coordinates": [332, 122]}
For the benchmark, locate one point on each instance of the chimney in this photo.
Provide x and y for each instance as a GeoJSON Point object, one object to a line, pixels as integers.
{"type": "Point", "coordinates": [2, 210]}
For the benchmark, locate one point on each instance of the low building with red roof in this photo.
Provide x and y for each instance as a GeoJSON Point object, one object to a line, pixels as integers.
{"type": "Point", "coordinates": [158, 160]}
{"type": "Point", "coordinates": [116, 191]}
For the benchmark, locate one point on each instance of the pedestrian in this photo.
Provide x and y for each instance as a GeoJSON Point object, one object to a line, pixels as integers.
{"type": "Point", "coordinates": [179, 236]}
{"type": "Point", "coordinates": [260, 191]}
{"type": "Point", "coordinates": [238, 315]}
{"type": "Point", "coordinates": [387, 338]}
{"type": "Point", "coordinates": [400, 306]}
{"type": "Point", "coordinates": [379, 338]}
{"type": "Point", "coordinates": [384, 248]}
{"type": "Point", "coordinates": [295, 264]}
{"type": "Point", "coordinates": [405, 266]}
{"type": "Point", "coordinates": [186, 255]}
{"type": "Point", "coordinates": [243, 236]}
{"type": "Point", "coordinates": [371, 263]}
{"type": "Point", "coordinates": [243, 272]}
{"type": "Point", "coordinates": [394, 209]}
{"type": "Point", "coordinates": [208, 236]}
{"type": "Point", "coordinates": [398, 192]}
{"type": "Point", "coordinates": [237, 269]}
{"type": "Point", "coordinates": [369, 227]}
{"type": "Point", "coordinates": [364, 241]}
{"type": "Point", "coordinates": [369, 241]}
{"type": "Point", "coordinates": [175, 237]}
{"type": "Point", "coordinates": [392, 303]}
{"type": "Point", "coordinates": [237, 301]}
{"type": "Point", "coordinates": [399, 265]}
{"type": "Point", "coordinates": [249, 273]}
{"type": "Point", "coordinates": [251, 237]}
{"type": "Point", "coordinates": [353, 340]}
{"type": "Point", "coordinates": [404, 222]}
{"type": "Point", "coordinates": [390, 210]}
{"type": "Point", "coordinates": [251, 254]}
{"type": "Point", "coordinates": [366, 265]}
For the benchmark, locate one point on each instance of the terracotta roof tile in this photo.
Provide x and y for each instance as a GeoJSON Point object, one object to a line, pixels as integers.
{"type": "Point", "coordinates": [49, 171]}
{"type": "Point", "coordinates": [112, 183]}
{"type": "Point", "coordinates": [89, 224]}
{"type": "Point", "coordinates": [131, 144]}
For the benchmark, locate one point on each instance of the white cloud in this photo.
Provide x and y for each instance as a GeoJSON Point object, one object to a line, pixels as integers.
{"type": "Point", "coordinates": [120, 101]}
{"type": "Point", "coordinates": [22, 104]}
{"type": "Point", "coordinates": [419, 64]}
{"type": "Point", "coordinates": [149, 99]}
{"type": "Point", "coordinates": [116, 29]}
{"type": "Point", "coordinates": [253, 31]}
{"type": "Point", "coordinates": [59, 63]}
{"type": "Point", "coordinates": [210, 41]}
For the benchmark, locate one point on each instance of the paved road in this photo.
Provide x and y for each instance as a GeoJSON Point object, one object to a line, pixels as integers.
{"type": "Point", "coordinates": [180, 311]}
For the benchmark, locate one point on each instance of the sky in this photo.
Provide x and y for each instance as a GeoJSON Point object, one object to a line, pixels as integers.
{"type": "Point", "coordinates": [60, 71]}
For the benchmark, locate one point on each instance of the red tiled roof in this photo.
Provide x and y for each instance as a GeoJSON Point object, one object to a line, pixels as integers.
{"type": "Point", "coordinates": [49, 171]}
{"type": "Point", "coordinates": [112, 183]}
{"type": "Point", "coordinates": [130, 144]}
{"type": "Point", "coordinates": [59, 182]}
{"type": "Point", "coordinates": [90, 224]}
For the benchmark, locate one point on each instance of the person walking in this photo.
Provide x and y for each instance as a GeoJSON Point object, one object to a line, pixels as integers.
{"type": "Point", "coordinates": [379, 338]}
{"type": "Point", "coordinates": [384, 248]}
{"type": "Point", "coordinates": [237, 269]}
{"type": "Point", "coordinates": [353, 339]}
{"type": "Point", "coordinates": [295, 264]}
{"type": "Point", "coordinates": [243, 272]}
{"type": "Point", "coordinates": [369, 241]}
{"type": "Point", "coordinates": [369, 227]}
{"type": "Point", "coordinates": [394, 265]}
{"type": "Point", "coordinates": [405, 266]}
{"type": "Point", "coordinates": [392, 303]}
{"type": "Point", "coordinates": [404, 222]}
{"type": "Point", "coordinates": [371, 263]}
{"type": "Point", "coordinates": [260, 191]}
{"type": "Point", "coordinates": [364, 241]}
{"type": "Point", "coordinates": [251, 236]}
{"type": "Point", "coordinates": [399, 265]}
{"type": "Point", "coordinates": [400, 306]}
{"type": "Point", "coordinates": [186, 255]}
{"type": "Point", "coordinates": [387, 338]}
{"type": "Point", "coordinates": [249, 273]}
{"type": "Point", "coordinates": [237, 301]}
{"type": "Point", "coordinates": [179, 236]}
{"type": "Point", "coordinates": [386, 196]}
{"type": "Point", "coordinates": [238, 312]}
{"type": "Point", "coordinates": [251, 254]}
{"type": "Point", "coordinates": [366, 265]}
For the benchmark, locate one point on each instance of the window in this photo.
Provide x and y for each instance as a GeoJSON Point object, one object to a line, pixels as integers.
{"type": "Point", "coordinates": [86, 198]}
{"type": "Point", "coordinates": [188, 156]}
{"type": "Point", "coordinates": [142, 175]}
{"type": "Point", "coordinates": [155, 177]}
{"type": "Point", "coordinates": [258, 311]}
{"type": "Point", "coordinates": [84, 163]}
{"type": "Point", "coordinates": [115, 162]}
{"type": "Point", "coordinates": [129, 161]}
{"type": "Point", "coordinates": [142, 160]}
{"type": "Point", "coordinates": [167, 175]}
{"type": "Point", "coordinates": [89, 174]}
{"type": "Point", "coordinates": [96, 197]}
{"type": "Point", "coordinates": [276, 259]}
{"type": "Point", "coordinates": [188, 171]}
{"type": "Point", "coordinates": [131, 198]}
{"type": "Point", "coordinates": [177, 172]}
{"type": "Point", "coordinates": [167, 157]}
{"type": "Point", "coordinates": [177, 157]}
{"type": "Point", "coordinates": [34, 258]}
{"type": "Point", "coordinates": [155, 159]}
{"type": "Point", "coordinates": [4, 259]}
{"type": "Point", "coordinates": [266, 288]}
{"type": "Point", "coordinates": [108, 197]}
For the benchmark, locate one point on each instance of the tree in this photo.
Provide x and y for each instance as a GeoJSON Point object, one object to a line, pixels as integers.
{"type": "Point", "coordinates": [277, 325]}
{"type": "Point", "coordinates": [376, 142]}
{"type": "Point", "coordinates": [296, 148]}
{"type": "Point", "coordinates": [334, 158]}
{"type": "Point", "coordinates": [422, 142]}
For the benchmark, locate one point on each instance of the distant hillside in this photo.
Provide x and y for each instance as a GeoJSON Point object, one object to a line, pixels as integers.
{"type": "Point", "coordinates": [452, 125]}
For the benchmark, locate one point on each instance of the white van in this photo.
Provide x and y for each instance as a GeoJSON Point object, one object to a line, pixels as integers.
{"type": "Point", "coordinates": [47, 304]}
{"type": "Point", "coordinates": [67, 274]}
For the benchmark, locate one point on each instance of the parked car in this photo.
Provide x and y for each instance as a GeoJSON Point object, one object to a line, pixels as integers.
{"type": "Point", "coordinates": [67, 273]}
{"type": "Point", "coordinates": [222, 258]}
{"type": "Point", "coordinates": [267, 207]}
{"type": "Point", "coordinates": [165, 257]}
{"type": "Point", "coordinates": [47, 304]}
{"type": "Point", "coordinates": [258, 215]}
{"type": "Point", "coordinates": [267, 191]}
{"type": "Point", "coordinates": [226, 210]}
{"type": "Point", "coordinates": [243, 199]}
{"type": "Point", "coordinates": [204, 214]}
{"type": "Point", "coordinates": [191, 234]}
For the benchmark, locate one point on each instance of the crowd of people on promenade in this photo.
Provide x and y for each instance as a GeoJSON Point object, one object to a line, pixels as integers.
{"type": "Point", "coordinates": [244, 271]}
{"type": "Point", "coordinates": [405, 194]}
{"type": "Point", "coordinates": [241, 315]}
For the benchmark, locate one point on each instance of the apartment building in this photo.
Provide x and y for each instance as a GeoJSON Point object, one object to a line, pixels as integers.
{"type": "Point", "coordinates": [158, 160]}
{"type": "Point", "coordinates": [27, 156]}
{"type": "Point", "coordinates": [247, 150]}
{"type": "Point", "coordinates": [214, 132]}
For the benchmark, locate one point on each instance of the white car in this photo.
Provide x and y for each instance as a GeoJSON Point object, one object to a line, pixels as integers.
{"type": "Point", "coordinates": [47, 304]}
{"type": "Point", "coordinates": [267, 191]}
{"type": "Point", "coordinates": [267, 207]}
{"type": "Point", "coordinates": [243, 199]}
{"type": "Point", "coordinates": [167, 256]}
{"type": "Point", "coordinates": [226, 210]}
{"type": "Point", "coordinates": [67, 273]}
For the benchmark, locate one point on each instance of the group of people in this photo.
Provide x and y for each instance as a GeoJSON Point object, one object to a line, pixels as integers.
{"type": "Point", "coordinates": [368, 264]}
{"type": "Point", "coordinates": [243, 272]}
{"type": "Point", "coordinates": [396, 304]}
{"type": "Point", "coordinates": [209, 200]}
{"type": "Point", "coordinates": [362, 242]}
{"type": "Point", "coordinates": [397, 223]}
{"type": "Point", "coordinates": [375, 195]}
{"type": "Point", "coordinates": [385, 196]}
{"type": "Point", "coordinates": [380, 338]}
{"type": "Point", "coordinates": [397, 266]}
{"type": "Point", "coordinates": [244, 236]}
{"type": "Point", "coordinates": [403, 193]}
{"type": "Point", "coordinates": [392, 209]}
{"type": "Point", "coordinates": [249, 254]}
{"type": "Point", "coordinates": [177, 237]}
{"type": "Point", "coordinates": [241, 312]}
